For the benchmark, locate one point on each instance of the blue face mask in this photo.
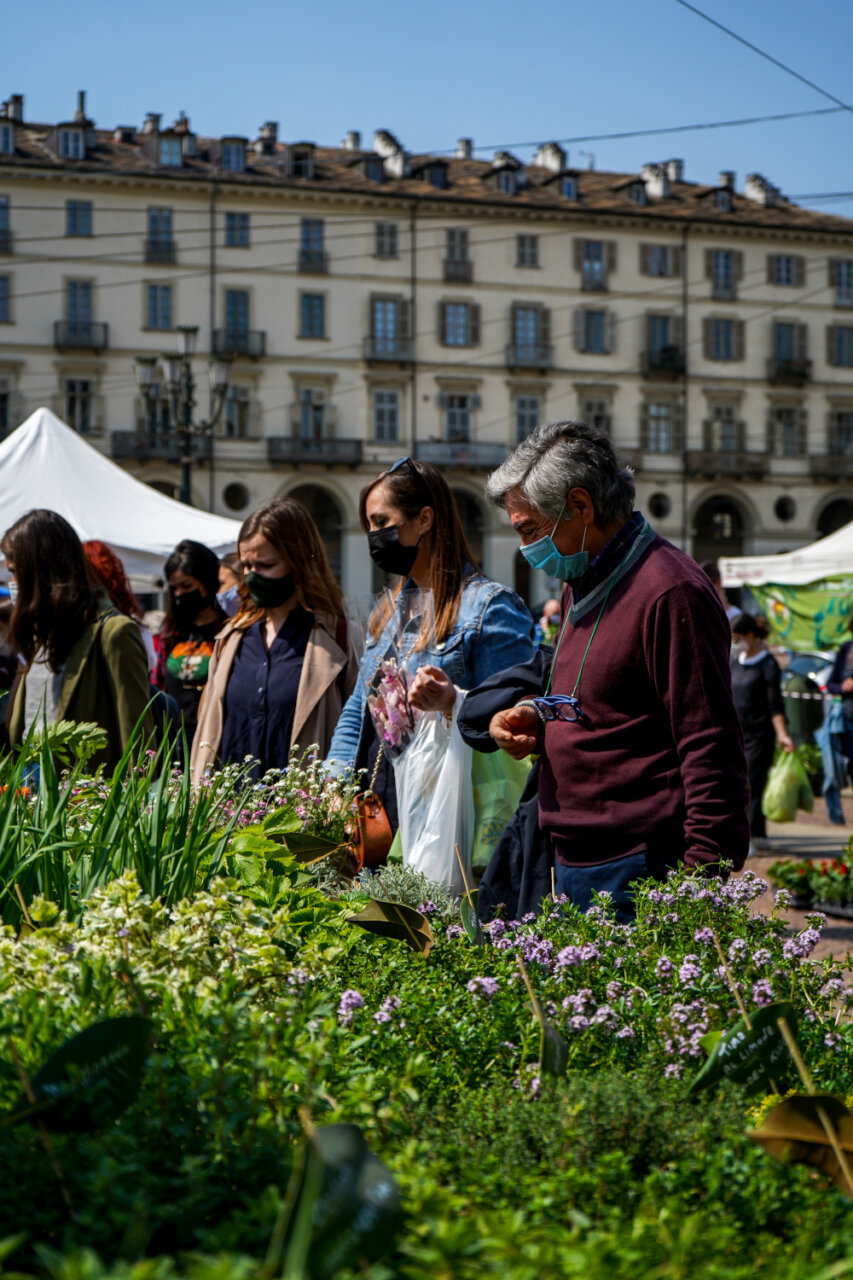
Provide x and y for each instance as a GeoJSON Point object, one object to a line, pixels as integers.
{"type": "Point", "coordinates": [544, 555]}
{"type": "Point", "coordinates": [229, 601]}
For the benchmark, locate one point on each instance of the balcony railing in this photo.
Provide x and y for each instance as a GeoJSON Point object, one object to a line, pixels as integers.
{"type": "Point", "coordinates": [240, 342]}
{"type": "Point", "coordinates": [792, 372]}
{"type": "Point", "coordinates": [529, 355]}
{"type": "Point", "coordinates": [461, 453]}
{"type": "Point", "coordinates": [314, 261]}
{"type": "Point", "coordinates": [329, 450]}
{"type": "Point", "coordinates": [831, 466]}
{"type": "Point", "coordinates": [158, 249]}
{"type": "Point", "coordinates": [80, 335]}
{"type": "Point", "coordinates": [400, 349]}
{"type": "Point", "coordinates": [714, 463]}
{"type": "Point", "coordinates": [458, 270]}
{"type": "Point", "coordinates": [665, 362]}
{"type": "Point", "coordinates": [5, 240]}
{"type": "Point", "coordinates": [594, 279]}
{"type": "Point", "coordinates": [159, 446]}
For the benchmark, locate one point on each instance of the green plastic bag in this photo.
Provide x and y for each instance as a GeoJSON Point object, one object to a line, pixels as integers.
{"type": "Point", "coordinates": [788, 788]}
{"type": "Point", "coordinates": [498, 782]}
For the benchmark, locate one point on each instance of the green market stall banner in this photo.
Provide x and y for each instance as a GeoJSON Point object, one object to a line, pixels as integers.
{"type": "Point", "coordinates": [810, 617]}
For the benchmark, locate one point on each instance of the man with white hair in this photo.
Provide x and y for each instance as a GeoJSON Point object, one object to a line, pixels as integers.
{"type": "Point", "coordinates": [641, 753]}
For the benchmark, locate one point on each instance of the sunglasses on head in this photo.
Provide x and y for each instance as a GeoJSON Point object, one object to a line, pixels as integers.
{"type": "Point", "coordinates": [400, 464]}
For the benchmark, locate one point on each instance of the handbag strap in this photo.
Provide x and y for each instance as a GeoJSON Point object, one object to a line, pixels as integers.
{"type": "Point", "coordinates": [375, 774]}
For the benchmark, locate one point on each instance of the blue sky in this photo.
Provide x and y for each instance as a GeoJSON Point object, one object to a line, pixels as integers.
{"type": "Point", "coordinates": [500, 72]}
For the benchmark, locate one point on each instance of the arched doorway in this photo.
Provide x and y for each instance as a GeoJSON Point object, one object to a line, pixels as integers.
{"type": "Point", "coordinates": [473, 522]}
{"type": "Point", "coordinates": [718, 529]}
{"type": "Point", "coordinates": [834, 516]}
{"type": "Point", "coordinates": [328, 518]}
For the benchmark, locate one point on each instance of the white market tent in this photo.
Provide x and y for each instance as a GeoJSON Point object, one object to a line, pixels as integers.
{"type": "Point", "coordinates": [43, 463]}
{"type": "Point", "coordinates": [829, 557]}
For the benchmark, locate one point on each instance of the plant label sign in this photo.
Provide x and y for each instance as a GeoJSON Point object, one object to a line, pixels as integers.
{"type": "Point", "coordinates": [752, 1055]}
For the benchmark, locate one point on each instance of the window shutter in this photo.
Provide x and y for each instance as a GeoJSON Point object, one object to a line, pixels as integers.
{"type": "Point", "coordinates": [801, 341]}
{"type": "Point", "coordinates": [737, 264]}
{"type": "Point", "coordinates": [441, 400]}
{"type": "Point", "coordinates": [647, 331]}
{"type": "Point", "coordinates": [404, 311]}
{"type": "Point", "coordinates": [677, 427]}
{"type": "Point", "coordinates": [708, 339]}
{"type": "Point", "coordinates": [474, 324]}
{"type": "Point", "coordinates": [373, 315]}
{"type": "Point", "coordinates": [771, 268]}
{"type": "Point", "coordinates": [644, 425]}
{"type": "Point", "coordinates": [442, 323]}
{"type": "Point", "coordinates": [802, 429]}
{"type": "Point", "coordinates": [833, 271]}
{"type": "Point", "coordinates": [513, 324]}
{"type": "Point", "coordinates": [677, 331]}
{"type": "Point", "coordinates": [739, 339]}
{"type": "Point", "coordinates": [830, 344]}
{"type": "Point", "coordinates": [708, 434]}
{"type": "Point", "coordinates": [771, 432]}
{"type": "Point", "coordinates": [709, 264]}
{"type": "Point", "coordinates": [676, 257]}
{"type": "Point", "coordinates": [609, 332]}
{"type": "Point", "coordinates": [475, 402]}
{"type": "Point", "coordinates": [577, 245]}
{"type": "Point", "coordinates": [610, 250]}
{"type": "Point", "coordinates": [644, 259]}
{"type": "Point", "coordinates": [544, 326]}
{"type": "Point", "coordinates": [799, 271]}
{"type": "Point", "coordinates": [577, 329]}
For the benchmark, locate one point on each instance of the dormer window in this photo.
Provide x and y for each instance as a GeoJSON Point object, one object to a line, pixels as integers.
{"type": "Point", "coordinates": [233, 157]}
{"type": "Point", "coordinates": [637, 192]}
{"type": "Point", "coordinates": [569, 188]}
{"type": "Point", "coordinates": [71, 144]}
{"type": "Point", "coordinates": [302, 162]}
{"type": "Point", "coordinates": [723, 201]}
{"type": "Point", "coordinates": [507, 181]}
{"type": "Point", "coordinates": [7, 139]}
{"type": "Point", "coordinates": [170, 152]}
{"type": "Point", "coordinates": [437, 175]}
{"type": "Point", "coordinates": [374, 170]}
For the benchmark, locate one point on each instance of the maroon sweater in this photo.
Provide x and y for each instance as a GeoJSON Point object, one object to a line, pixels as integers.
{"type": "Point", "coordinates": [660, 770]}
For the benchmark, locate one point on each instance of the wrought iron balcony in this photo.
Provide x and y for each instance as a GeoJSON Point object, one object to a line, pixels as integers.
{"type": "Point", "coordinates": [831, 466]}
{"type": "Point", "coordinates": [329, 451]}
{"type": "Point", "coordinates": [791, 372]}
{"type": "Point", "coordinates": [458, 270]}
{"type": "Point", "coordinates": [160, 249]}
{"type": "Point", "coordinates": [399, 349]}
{"type": "Point", "coordinates": [240, 342]}
{"type": "Point", "coordinates": [156, 446]}
{"type": "Point", "coordinates": [529, 355]}
{"type": "Point", "coordinates": [739, 463]}
{"type": "Point", "coordinates": [314, 261]}
{"type": "Point", "coordinates": [665, 362]}
{"type": "Point", "coordinates": [80, 335]}
{"type": "Point", "coordinates": [461, 453]}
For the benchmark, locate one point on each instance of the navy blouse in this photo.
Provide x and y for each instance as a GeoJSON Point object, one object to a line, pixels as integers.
{"type": "Point", "coordinates": [260, 699]}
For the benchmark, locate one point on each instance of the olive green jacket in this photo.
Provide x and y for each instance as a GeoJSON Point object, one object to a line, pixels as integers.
{"type": "Point", "coordinates": [105, 682]}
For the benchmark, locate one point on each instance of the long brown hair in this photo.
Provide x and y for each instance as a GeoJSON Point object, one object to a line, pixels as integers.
{"type": "Point", "coordinates": [290, 528]}
{"type": "Point", "coordinates": [56, 598]}
{"type": "Point", "coordinates": [413, 487]}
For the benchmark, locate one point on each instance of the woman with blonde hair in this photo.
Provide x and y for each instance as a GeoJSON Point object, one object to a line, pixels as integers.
{"type": "Point", "coordinates": [282, 668]}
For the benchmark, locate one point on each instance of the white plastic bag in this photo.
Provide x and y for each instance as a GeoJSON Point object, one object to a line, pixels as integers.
{"type": "Point", "coordinates": [435, 801]}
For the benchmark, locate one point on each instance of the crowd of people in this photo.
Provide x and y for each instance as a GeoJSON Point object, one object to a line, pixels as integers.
{"type": "Point", "coordinates": [651, 707]}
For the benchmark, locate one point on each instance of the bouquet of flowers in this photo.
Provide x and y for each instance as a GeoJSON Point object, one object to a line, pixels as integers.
{"type": "Point", "coordinates": [394, 719]}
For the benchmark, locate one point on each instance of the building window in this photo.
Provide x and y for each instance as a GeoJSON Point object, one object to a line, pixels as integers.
{"type": "Point", "coordinates": [236, 317]}
{"type": "Point", "coordinates": [593, 269]}
{"type": "Point", "coordinates": [659, 433]}
{"type": "Point", "coordinates": [842, 346]}
{"type": "Point", "coordinates": [594, 340]}
{"type": "Point", "coordinates": [456, 242]}
{"type": "Point", "coordinates": [723, 429]}
{"type": "Point", "coordinates": [78, 217]}
{"type": "Point", "coordinates": [160, 229]}
{"type": "Point", "coordinates": [170, 153]}
{"type": "Point", "coordinates": [787, 432]}
{"type": "Point", "coordinates": [458, 327]}
{"type": "Point", "coordinates": [526, 416]}
{"type": "Point", "coordinates": [312, 253]}
{"type": "Point", "coordinates": [78, 303]}
{"type": "Point", "coordinates": [5, 296]}
{"type": "Point", "coordinates": [237, 413]}
{"type": "Point", "coordinates": [233, 157]}
{"type": "Point", "coordinates": [723, 201]}
{"type": "Point", "coordinates": [374, 170]}
{"type": "Point", "coordinates": [385, 240]}
{"type": "Point", "coordinates": [844, 282]}
{"type": "Point", "coordinates": [784, 341]}
{"type": "Point", "coordinates": [722, 273]}
{"type": "Point", "coordinates": [237, 230]}
{"type": "Point", "coordinates": [841, 431]}
{"type": "Point", "coordinates": [312, 315]}
{"type": "Point", "coordinates": [569, 188]}
{"type": "Point", "coordinates": [7, 139]}
{"type": "Point", "coordinates": [302, 163]}
{"type": "Point", "coordinates": [722, 340]}
{"type": "Point", "coordinates": [158, 309]}
{"type": "Point", "coordinates": [386, 416]}
{"type": "Point", "coordinates": [312, 414]}
{"type": "Point", "coordinates": [507, 181]}
{"type": "Point", "coordinates": [660, 333]}
{"type": "Point", "coordinates": [4, 218]}
{"type": "Point", "coordinates": [457, 418]}
{"type": "Point", "coordinates": [437, 174]}
{"type": "Point", "coordinates": [527, 251]}
{"type": "Point", "coordinates": [78, 405]}
{"type": "Point", "coordinates": [595, 412]}
{"type": "Point", "coordinates": [784, 270]}
{"type": "Point", "coordinates": [637, 192]}
{"type": "Point", "coordinates": [663, 260]}
{"type": "Point", "coordinates": [71, 144]}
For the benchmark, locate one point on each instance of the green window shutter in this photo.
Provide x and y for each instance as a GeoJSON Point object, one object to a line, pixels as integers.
{"type": "Point", "coordinates": [610, 332]}
{"type": "Point", "coordinates": [801, 340]}
{"type": "Point", "coordinates": [544, 326]}
{"type": "Point", "coordinates": [676, 258]}
{"type": "Point", "coordinates": [799, 271]}
{"type": "Point", "coordinates": [404, 312]}
{"type": "Point", "coordinates": [644, 425]}
{"type": "Point", "coordinates": [830, 345]}
{"type": "Point", "coordinates": [577, 247]}
{"type": "Point", "coordinates": [737, 264]}
{"type": "Point", "coordinates": [677, 427]}
{"type": "Point", "coordinates": [442, 323]}
{"type": "Point", "coordinates": [610, 255]}
{"type": "Point", "coordinates": [677, 331]}
{"type": "Point", "coordinates": [644, 259]}
{"type": "Point", "coordinates": [577, 329]}
{"type": "Point", "coordinates": [771, 268]}
{"type": "Point", "coordinates": [708, 338]}
{"type": "Point", "coordinates": [473, 324]}
{"type": "Point", "coordinates": [709, 264]}
{"type": "Point", "coordinates": [739, 343]}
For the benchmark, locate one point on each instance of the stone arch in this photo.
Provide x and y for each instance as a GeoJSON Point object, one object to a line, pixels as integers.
{"type": "Point", "coordinates": [835, 512]}
{"type": "Point", "coordinates": [474, 518]}
{"type": "Point", "coordinates": [721, 523]}
{"type": "Point", "coordinates": [327, 511]}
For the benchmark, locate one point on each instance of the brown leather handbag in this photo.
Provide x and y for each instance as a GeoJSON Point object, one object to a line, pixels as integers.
{"type": "Point", "coordinates": [372, 836]}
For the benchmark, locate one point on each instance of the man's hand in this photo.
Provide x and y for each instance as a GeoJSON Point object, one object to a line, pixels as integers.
{"type": "Point", "coordinates": [516, 731]}
{"type": "Point", "coordinates": [847, 685]}
{"type": "Point", "coordinates": [432, 690]}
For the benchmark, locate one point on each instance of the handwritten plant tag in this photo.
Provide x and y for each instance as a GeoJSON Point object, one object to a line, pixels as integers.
{"type": "Point", "coordinates": [752, 1056]}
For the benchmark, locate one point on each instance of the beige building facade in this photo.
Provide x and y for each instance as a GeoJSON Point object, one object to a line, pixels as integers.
{"type": "Point", "coordinates": [378, 304]}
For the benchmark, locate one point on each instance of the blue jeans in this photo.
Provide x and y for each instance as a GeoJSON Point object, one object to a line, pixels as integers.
{"type": "Point", "coordinates": [579, 883]}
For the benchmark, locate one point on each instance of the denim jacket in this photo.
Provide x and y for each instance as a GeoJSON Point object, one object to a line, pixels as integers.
{"type": "Point", "coordinates": [493, 630]}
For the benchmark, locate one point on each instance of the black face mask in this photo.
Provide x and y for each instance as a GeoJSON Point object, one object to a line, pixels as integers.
{"type": "Point", "coordinates": [389, 553]}
{"type": "Point", "coordinates": [188, 606]}
{"type": "Point", "coordinates": [269, 593]}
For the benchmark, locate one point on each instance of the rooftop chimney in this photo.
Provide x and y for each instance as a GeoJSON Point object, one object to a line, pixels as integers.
{"type": "Point", "coordinates": [656, 178]}
{"type": "Point", "coordinates": [182, 124]}
{"type": "Point", "coordinates": [759, 190]}
{"type": "Point", "coordinates": [464, 148]}
{"type": "Point", "coordinates": [152, 122]}
{"type": "Point", "coordinates": [385, 144]}
{"type": "Point", "coordinates": [124, 133]}
{"type": "Point", "coordinates": [265, 143]}
{"type": "Point", "coordinates": [551, 156]}
{"type": "Point", "coordinates": [727, 179]}
{"type": "Point", "coordinates": [16, 107]}
{"type": "Point", "coordinates": [675, 170]}
{"type": "Point", "coordinates": [80, 113]}
{"type": "Point", "coordinates": [352, 142]}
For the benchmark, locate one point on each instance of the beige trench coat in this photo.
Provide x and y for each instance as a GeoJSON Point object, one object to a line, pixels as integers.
{"type": "Point", "coordinates": [319, 698]}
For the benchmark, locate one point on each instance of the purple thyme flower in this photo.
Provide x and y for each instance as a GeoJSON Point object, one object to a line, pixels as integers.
{"type": "Point", "coordinates": [625, 1033]}
{"type": "Point", "coordinates": [428, 908]}
{"type": "Point", "coordinates": [703, 935]}
{"type": "Point", "coordinates": [663, 967]}
{"type": "Point", "coordinates": [762, 992]}
{"type": "Point", "coordinates": [495, 929]}
{"type": "Point", "coordinates": [737, 951]}
{"type": "Point", "coordinates": [782, 898]}
{"type": "Point", "coordinates": [454, 931]}
{"type": "Point", "coordinates": [350, 1001]}
{"type": "Point", "coordinates": [483, 987]}
{"type": "Point", "coordinates": [388, 1006]}
{"type": "Point", "coordinates": [761, 956]}
{"type": "Point", "coordinates": [689, 970]}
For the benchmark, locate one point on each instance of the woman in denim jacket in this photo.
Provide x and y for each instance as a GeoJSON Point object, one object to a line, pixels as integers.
{"type": "Point", "coordinates": [413, 529]}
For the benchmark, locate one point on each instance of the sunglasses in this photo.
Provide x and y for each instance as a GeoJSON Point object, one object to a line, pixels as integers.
{"type": "Point", "coordinates": [562, 706]}
{"type": "Point", "coordinates": [400, 464]}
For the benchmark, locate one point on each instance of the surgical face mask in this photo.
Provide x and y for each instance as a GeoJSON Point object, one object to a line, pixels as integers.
{"type": "Point", "coordinates": [188, 605]}
{"type": "Point", "coordinates": [389, 553]}
{"type": "Point", "coordinates": [739, 647]}
{"type": "Point", "coordinates": [228, 601]}
{"type": "Point", "coordinates": [545, 556]}
{"type": "Point", "coordinates": [269, 593]}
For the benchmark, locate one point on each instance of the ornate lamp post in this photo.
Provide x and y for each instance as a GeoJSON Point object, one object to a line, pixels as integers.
{"type": "Point", "coordinates": [177, 377]}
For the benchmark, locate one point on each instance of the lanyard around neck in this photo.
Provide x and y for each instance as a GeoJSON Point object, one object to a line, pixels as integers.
{"type": "Point", "coordinates": [613, 581]}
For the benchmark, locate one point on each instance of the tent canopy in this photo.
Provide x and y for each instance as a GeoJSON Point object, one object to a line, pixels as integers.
{"type": "Point", "coordinates": [45, 464]}
{"type": "Point", "coordinates": [829, 557]}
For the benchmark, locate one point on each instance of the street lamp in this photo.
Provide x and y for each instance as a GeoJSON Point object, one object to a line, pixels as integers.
{"type": "Point", "coordinates": [176, 376]}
